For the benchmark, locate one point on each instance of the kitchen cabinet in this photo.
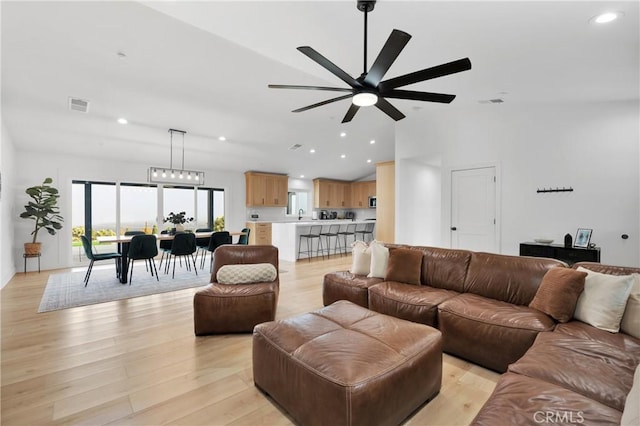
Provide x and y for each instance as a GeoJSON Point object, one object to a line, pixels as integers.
{"type": "Point", "coordinates": [266, 189]}
{"type": "Point", "coordinates": [360, 193]}
{"type": "Point", "coordinates": [331, 194]}
{"type": "Point", "coordinates": [259, 233]}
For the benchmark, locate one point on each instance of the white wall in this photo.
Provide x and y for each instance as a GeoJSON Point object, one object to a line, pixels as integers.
{"type": "Point", "coordinates": [593, 148]}
{"type": "Point", "coordinates": [8, 211]}
{"type": "Point", "coordinates": [418, 203]}
{"type": "Point", "coordinates": [33, 167]}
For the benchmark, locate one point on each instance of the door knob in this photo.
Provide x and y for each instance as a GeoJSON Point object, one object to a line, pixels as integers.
{"type": "Point", "coordinates": [453, 228]}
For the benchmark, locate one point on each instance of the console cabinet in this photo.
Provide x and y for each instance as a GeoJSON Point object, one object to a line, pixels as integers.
{"type": "Point", "coordinates": [569, 255]}
{"type": "Point", "coordinates": [266, 189]}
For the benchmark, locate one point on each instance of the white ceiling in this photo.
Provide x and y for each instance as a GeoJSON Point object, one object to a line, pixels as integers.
{"type": "Point", "coordinates": [203, 67]}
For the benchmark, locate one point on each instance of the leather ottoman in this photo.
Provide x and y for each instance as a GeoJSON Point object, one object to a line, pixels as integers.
{"type": "Point", "coordinates": [346, 365]}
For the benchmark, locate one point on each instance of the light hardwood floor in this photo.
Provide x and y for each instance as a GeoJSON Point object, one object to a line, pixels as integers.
{"type": "Point", "coordinates": [137, 361]}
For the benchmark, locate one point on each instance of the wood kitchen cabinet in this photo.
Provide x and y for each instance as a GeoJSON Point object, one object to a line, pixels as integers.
{"type": "Point", "coordinates": [360, 193]}
{"type": "Point", "coordinates": [259, 233]}
{"type": "Point", "coordinates": [266, 189]}
{"type": "Point", "coordinates": [331, 194]}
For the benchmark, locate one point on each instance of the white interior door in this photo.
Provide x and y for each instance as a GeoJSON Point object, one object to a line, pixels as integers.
{"type": "Point", "coordinates": [473, 209]}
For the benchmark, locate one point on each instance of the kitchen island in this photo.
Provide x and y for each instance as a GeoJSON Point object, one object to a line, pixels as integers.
{"type": "Point", "coordinates": [286, 235]}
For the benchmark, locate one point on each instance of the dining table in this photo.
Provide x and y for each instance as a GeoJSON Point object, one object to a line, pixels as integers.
{"type": "Point", "coordinates": [123, 242]}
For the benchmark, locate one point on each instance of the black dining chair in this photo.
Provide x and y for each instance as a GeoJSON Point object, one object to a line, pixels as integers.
{"type": "Point", "coordinates": [202, 243]}
{"type": "Point", "coordinates": [165, 247]}
{"type": "Point", "coordinates": [132, 233]}
{"type": "Point", "coordinates": [244, 238]}
{"type": "Point", "coordinates": [88, 251]}
{"type": "Point", "coordinates": [184, 245]}
{"type": "Point", "coordinates": [143, 247]}
{"type": "Point", "coordinates": [217, 239]}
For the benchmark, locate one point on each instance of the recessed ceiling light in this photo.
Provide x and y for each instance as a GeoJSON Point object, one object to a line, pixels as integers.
{"type": "Point", "coordinates": [372, 141]}
{"type": "Point", "coordinates": [122, 120]}
{"type": "Point", "coordinates": [343, 156]}
{"type": "Point", "coordinates": [301, 176]}
{"type": "Point", "coordinates": [607, 17]}
{"type": "Point", "coordinates": [222, 138]}
{"type": "Point", "coordinates": [369, 160]}
{"type": "Point", "coordinates": [343, 134]}
{"type": "Point", "coordinates": [312, 150]}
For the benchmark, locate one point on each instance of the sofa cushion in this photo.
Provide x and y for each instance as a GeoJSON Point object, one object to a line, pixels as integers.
{"type": "Point", "coordinates": [407, 301]}
{"type": "Point", "coordinates": [444, 268]}
{"type": "Point", "coordinates": [593, 369]}
{"type": "Point", "coordinates": [489, 332]}
{"type": "Point", "coordinates": [379, 260]}
{"type": "Point", "coordinates": [603, 300]}
{"type": "Point", "coordinates": [360, 258]}
{"type": "Point", "coordinates": [404, 266]}
{"type": "Point", "coordinates": [631, 412]}
{"type": "Point", "coordinates": [522, 400]}
{"type": "Point", "coordinates": [620, 341]}
{"type": "Point", "coordinates": [246, 274]}
{"type": "Point", "coordinates": [630, 323]}
{"type": "Point", "coordinates": [559, 292]}
{"type": "Point", "coordinates": [512, 279]}
{"type": "Point", "coordinates": [343, 285]}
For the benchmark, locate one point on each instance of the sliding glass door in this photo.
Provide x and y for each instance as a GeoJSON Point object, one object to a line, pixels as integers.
{"type": "Point", "coordinates": [111, 208]}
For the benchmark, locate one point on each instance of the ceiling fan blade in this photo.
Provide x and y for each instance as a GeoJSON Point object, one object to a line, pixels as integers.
{"type": "Point", "coordinates": [418, 96]}
{"type": "Point", "coordinates": [390, 51]}
{"type": "Point", "coordinates": [426, 74]}
{"type": "Point", "coordinates": [393, 112]}
{"type": "Point", "coordinates": [328, 101]}
{"type": "Point", "coordinates": [350, 113]}
{"type": "Point", "coordinates": [287, 86]}
{"type": "Point", "coordinates": [330, 66]}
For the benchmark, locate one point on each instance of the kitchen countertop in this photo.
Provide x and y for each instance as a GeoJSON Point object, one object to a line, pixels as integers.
{"type": "Point", "coordinates": [309, 222]}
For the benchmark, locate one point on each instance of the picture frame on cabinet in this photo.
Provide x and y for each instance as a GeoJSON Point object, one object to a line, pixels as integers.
{"type": "Point", "coordinates": [583, 236]}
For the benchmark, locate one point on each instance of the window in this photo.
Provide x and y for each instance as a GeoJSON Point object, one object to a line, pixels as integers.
{"type": "Point", "coordinates": [95, 209]}
{"type": "Point", "coordinates": [138, 208]}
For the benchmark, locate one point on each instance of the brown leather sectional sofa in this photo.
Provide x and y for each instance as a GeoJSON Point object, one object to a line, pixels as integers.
{"type": "Point", "coordinates": [570, 372]}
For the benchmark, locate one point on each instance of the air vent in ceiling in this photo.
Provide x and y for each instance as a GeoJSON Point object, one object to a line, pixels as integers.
{"type": "Point", "coordinates": [491, 101]}
{"type": "Point", "coordinates": [77, 104]}
{"type": "Point", "coordinates": [294, 147]}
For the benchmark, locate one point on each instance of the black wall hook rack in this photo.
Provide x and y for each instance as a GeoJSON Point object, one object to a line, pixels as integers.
{"type": "Point", "coordinates": [563, 189]}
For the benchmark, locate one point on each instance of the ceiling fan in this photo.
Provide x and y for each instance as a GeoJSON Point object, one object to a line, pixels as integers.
{"type": "Point", "coordinates": [369, 89]}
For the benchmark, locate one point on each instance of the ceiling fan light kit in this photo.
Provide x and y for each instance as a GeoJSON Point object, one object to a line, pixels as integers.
{"type": "Point", "coordinates": [369, 89]}
{"type": "Point", "coordinates": [174, 175]}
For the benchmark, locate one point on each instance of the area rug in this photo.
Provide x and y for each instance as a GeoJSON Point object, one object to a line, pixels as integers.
{"type": "Point", "coordinates": [67, 290]}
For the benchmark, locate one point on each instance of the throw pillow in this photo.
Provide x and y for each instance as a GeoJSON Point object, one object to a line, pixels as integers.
{"type": "Point", "coordinates": [559, 292]}
{"type": "Point", "coordinates": [631, 412]}
{"type": "Point", "coordinates": [379, 259]}
{"type": "Point", "coordinates": [405, 266]}
{"type": "Point", "coordinates": [631, 318]}
{"type": "Point", "coordinates": [246, 273]}
{"type": "Point", "coordinates": [361, 258]}
{"type": "Point", "coordinates": [603, 300]}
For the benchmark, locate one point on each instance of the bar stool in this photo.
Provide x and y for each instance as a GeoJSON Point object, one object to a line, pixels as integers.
{"type": "Point", "coordinates": [332, 232]}
{"type": "Point", "coordinates": [366, 230]}
{"type": "Point", "coordinates": [314, 232]}
{"type": "Point", "coordinates": [349, 230]}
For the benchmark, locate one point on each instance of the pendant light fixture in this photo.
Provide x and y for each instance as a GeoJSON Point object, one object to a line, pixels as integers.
{"type": "Point", "coordinates": [178, 176]}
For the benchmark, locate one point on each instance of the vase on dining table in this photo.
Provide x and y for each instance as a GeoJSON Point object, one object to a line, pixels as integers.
{"type": "Point", "coordinates": [179, 227]}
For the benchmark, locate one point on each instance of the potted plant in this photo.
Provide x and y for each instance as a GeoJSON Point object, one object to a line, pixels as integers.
{"type": "Point", "coordinates": [178, 220]}
{"type": "Point", "coordinates": [44, 211]}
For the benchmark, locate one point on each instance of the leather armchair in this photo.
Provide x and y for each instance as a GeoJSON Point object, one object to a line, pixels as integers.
{"type": "Point", "coordinates": [237, 308]}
